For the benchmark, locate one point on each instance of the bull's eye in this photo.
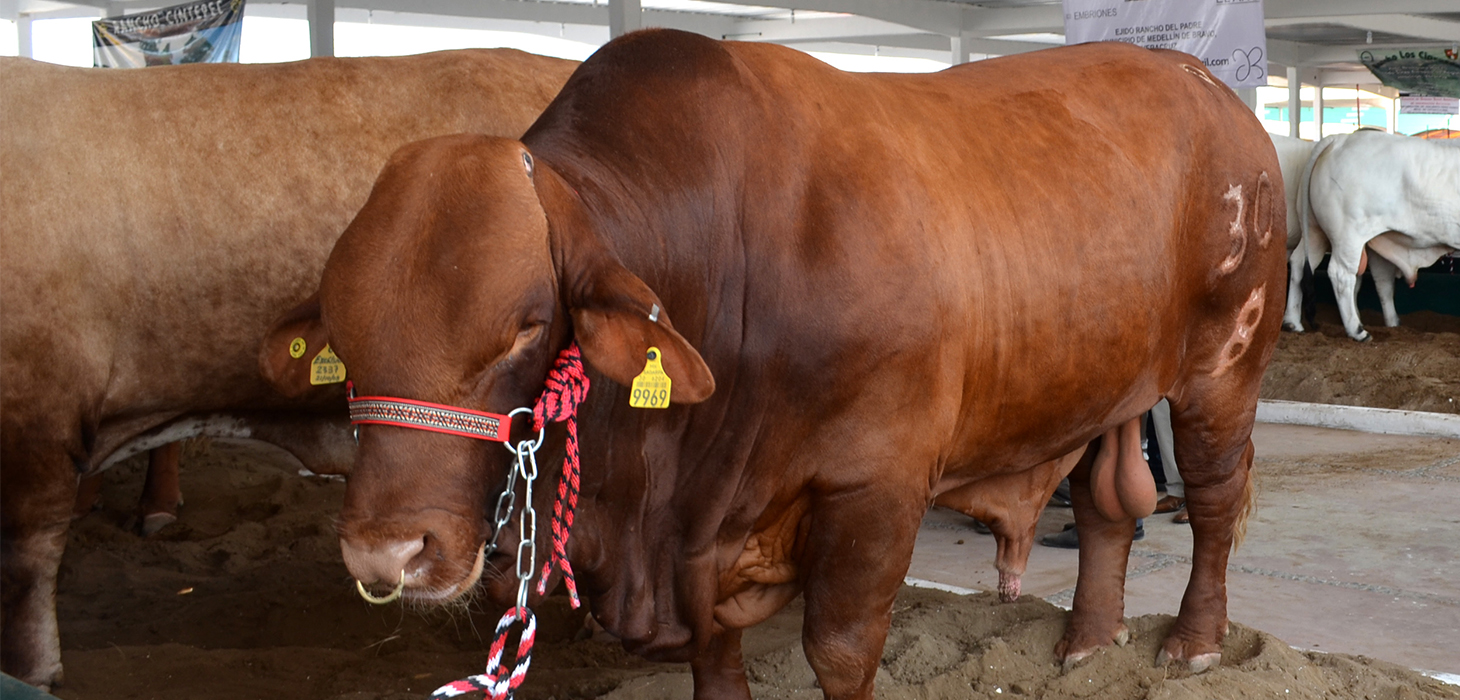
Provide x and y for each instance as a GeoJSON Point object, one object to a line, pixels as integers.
{"type": "Point", "coordinates": [527, 162]}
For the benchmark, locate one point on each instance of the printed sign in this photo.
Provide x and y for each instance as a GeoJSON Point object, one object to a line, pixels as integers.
{"type": "Point", "coordinates": [1425, 72]}
{"type": "Point", "coordinates": [1429, 105]}
{"type": "Point", "coordinates": [1227, 35]}
{"type": "Point", "coordinates": [208, 31]}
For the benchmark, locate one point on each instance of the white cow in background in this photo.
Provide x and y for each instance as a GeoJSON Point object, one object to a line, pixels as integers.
{"type": "Point", "coordinates": [1398, 196]}
{"type": "Point", "coordinates": [1292, 157]}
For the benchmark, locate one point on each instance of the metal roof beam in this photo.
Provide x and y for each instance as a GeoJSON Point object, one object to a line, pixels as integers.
{"type": "Point", "coordinates": [1407, 25]}
{"type": "Point", "coordinates": [1286, 9]}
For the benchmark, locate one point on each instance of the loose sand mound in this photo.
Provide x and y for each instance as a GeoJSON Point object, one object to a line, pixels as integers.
{"type": "Point", "coordinates": [1415, 366]}
{"type": "Point", "coordinates": [246, 598]}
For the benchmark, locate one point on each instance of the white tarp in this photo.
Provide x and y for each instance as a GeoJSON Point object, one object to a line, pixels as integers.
{"type": "Point", "coordinates": [1227, 35]}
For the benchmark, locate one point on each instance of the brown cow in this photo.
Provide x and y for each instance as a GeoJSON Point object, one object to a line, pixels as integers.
{"type": "Point", "coordinates": [864, 317]}
{"type": "Point", "coordinates": [154, 222]}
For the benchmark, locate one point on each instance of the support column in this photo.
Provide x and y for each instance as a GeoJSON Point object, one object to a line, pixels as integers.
{"type": "Point", "coordinates": [1249, 98]}
{"type": "Point", "coordinates": [1295, 101]}
{"type": "Point", "coordinates": [26, 34]}
{"type": "Point", "coordinates": [624, 16]}
{"type": "Point", "coordinates": [1318, 109]}
{"type": "Point", "coordinates": [960, 51]}
{"type": "Point", "coordinates": [321, 15]}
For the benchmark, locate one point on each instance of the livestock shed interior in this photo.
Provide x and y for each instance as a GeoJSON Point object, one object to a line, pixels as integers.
{"type": "Point", "coordinates": [1310, 42]}
{"type": "Point", "coordinates": [1347, 584]}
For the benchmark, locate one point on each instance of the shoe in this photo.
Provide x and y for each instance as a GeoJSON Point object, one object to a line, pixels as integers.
{"type": "Point", "coordinates": [1069, 538]}
{"type": "Point", "coordinates": [981, 528]}
{"type": "Point", "coordinates": [1170, 504]}
{"type": "Point", "coordinates": [1061, 496]}
{"type": "Point", "coordinates": [1182, 517]}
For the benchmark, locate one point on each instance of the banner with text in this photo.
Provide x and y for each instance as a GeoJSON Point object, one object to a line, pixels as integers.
{"type": "Point", "coordinates": [208, 31]}
{"type": "Point", "coordinates": [1427, 72]}
{"type": "Point", "coordinates": [1417, 104]}
{"type": "Point", "coordinates": [1227, 35]}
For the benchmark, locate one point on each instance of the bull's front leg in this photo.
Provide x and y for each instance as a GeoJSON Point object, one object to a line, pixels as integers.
{"type": "Point", "coordinates": [36, 500]}
{"type": "Point", "coordinates": [719, 671]}
{"type": "Point", "coordinates": [858, 549]}
{"type": "Point", "coordinates": [1097, 615]}
{"type": "Point", "coordinates": [162, 491]}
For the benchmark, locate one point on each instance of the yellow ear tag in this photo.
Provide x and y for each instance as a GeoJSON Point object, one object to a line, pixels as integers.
{"type": "Point", "coordinates": [651, 387]}
{"type": "Point", "coordinates": [297, 347]}
{"type": "Point", "coordinates": [326, 368]}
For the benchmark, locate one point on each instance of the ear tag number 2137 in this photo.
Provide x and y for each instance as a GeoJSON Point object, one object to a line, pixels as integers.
{"type": "Point", "coordinates": [651, 387]}
{"type": "Point", "coordinates": [326, 368]}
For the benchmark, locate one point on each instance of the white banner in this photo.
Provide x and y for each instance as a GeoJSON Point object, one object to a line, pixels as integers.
{"type": "Point", "coordinates": [205, 31]}
{"type": "Point", "coordinates": [1227, 35]}
{"type": "Point", "coordinates": [1416, 104]}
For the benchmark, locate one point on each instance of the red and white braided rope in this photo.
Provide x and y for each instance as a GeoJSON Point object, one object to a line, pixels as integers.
{"type": "Point", "coordinates": [564, 390]}
{"type": "Point", "coordinates": [497, 682]}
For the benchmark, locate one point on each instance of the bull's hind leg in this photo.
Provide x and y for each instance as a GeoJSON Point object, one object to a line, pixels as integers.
{"type": "Point", "coordinates": [36, 500]}
{"type": "Point", "coordinates": [1343, 274]}
{"type": "Point", "coordinates": [1293, 314]}
{"type": "Point", "coordinates": [857, 551]}
{"type": "Point", "coordinates": [1214, 449]}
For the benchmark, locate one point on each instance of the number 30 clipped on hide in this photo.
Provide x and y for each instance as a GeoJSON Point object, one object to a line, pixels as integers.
{"type": "Point", "coordinates": [651, 387]}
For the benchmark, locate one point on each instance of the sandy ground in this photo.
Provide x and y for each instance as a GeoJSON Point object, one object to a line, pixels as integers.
{"type": "Point", "coordinates": [245, 596]}
{"type": "Point", "coordinates": [1415, 366]}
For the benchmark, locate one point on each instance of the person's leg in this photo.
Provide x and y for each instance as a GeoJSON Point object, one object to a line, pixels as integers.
{"type": "Point", "coordinates": [1175, 500]}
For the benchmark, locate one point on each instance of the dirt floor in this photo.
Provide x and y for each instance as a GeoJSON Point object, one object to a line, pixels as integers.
{"type": "Point", "coordinates": [1415, 366]}
{"type": "Point", "coordinates": [245, 597]}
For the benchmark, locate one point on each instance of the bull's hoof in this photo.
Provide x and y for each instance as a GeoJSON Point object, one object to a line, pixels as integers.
{"type": "Point", "coordinates": [1072, 652]}
{"type": "Point", "coordinates": [1292, 327]}
{"type": "Point", "coordinates": [1362, 336]}
{"type": "Point", "coordinates": [1196, 663]}
{"type": "Point", "coordinates": [153, 522]}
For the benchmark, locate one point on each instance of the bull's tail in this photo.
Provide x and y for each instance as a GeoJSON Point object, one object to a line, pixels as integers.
{"type": "Point", "coordinates": [1249, 506]}
{"type": "Point", "coordinates": [1314, 238]}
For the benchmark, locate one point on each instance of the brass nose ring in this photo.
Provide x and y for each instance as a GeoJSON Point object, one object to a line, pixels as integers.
{"type": "Point", "coordinates": [399, 587]}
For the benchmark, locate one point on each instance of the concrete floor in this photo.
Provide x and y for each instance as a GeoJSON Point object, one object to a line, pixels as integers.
{"type": "Point", "coordinates": [1354, 548]}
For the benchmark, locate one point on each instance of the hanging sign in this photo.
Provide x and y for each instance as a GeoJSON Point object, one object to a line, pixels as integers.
{"type": "Point", "coordinates": [1418, 104]}
{"type": "Point", "coordinates": [208, 31]}
{"type": "Point", "coordinates": [1227, 35]}
{"type": "Point", "coordinates": [1426, 72]}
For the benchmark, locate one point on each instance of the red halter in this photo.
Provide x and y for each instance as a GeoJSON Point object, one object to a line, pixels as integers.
{"type": "Point", "coordinates": [565, 388]}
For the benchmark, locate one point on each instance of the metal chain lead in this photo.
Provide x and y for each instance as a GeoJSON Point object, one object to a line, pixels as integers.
{"type": "Point", "coordinates": [507, 500]}
{"type": "Point", "coordinates": [527, 525]}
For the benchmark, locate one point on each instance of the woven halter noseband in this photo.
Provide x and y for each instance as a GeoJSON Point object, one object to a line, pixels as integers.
{"type": "Point", "coordinates": [565, 388]}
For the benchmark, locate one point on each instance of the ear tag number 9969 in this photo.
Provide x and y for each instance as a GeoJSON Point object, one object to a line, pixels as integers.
{"type": "Point", "coordinates": [651, 387]}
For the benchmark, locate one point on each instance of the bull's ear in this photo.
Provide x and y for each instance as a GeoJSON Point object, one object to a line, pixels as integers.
{"type": "Point", "coordinates": [618, 324]}
{"type": "Point", "coordinates": [290, 345]}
